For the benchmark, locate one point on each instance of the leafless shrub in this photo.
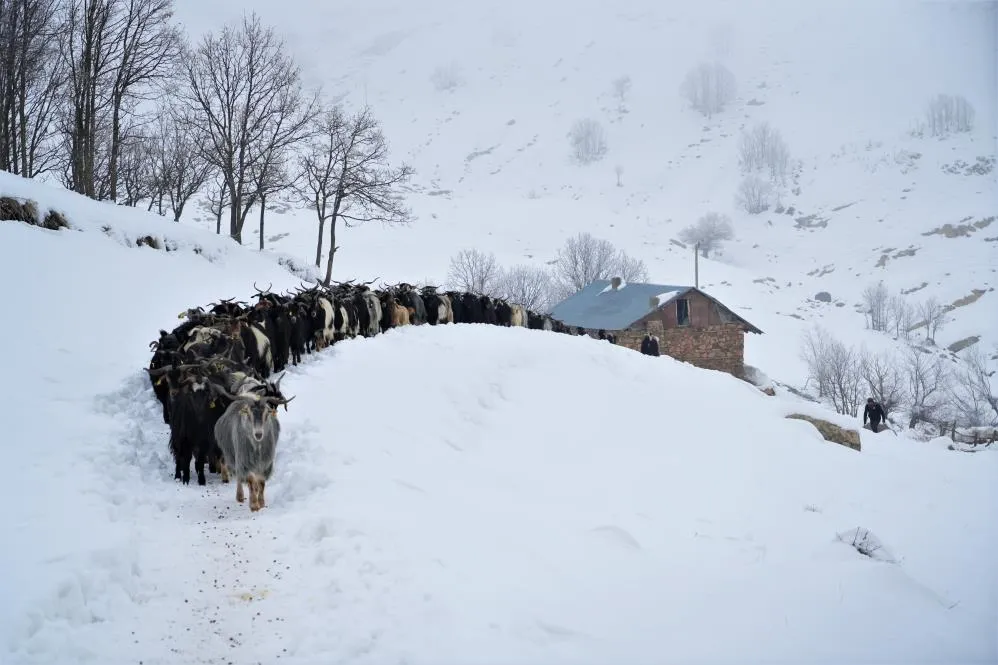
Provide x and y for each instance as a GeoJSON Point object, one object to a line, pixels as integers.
{"type": "Point", "coordinates": [884, 377]}
{"type": "Point", "coordinates": [708, 233]}
{"type": "Point", "coordinates": [927, 383]}
{"type": "Point", "coordinates": [835, 368]}
{"type": "Point", "coordinates": [588, 141]}
{"type": "Point", "coordinates": [585, 259]}
{"type": "Point", "coordinates": [762, 149]}
{"type": "Point", "coordinates": [948, 114]}
{"type": "Point", "coordinates": [902, 316]}
{"type": "Point", "coordinates": [527, 286]}
{"type": "Point", "coordinates": [973, 394]}
{"type": "Point", "coordinates": [933, 317]}
{"type": "Point", "coordinates": [474, 271]}
{"type": "Point", "coordinates": [876, 303]}
{"type": "Point", "coordinates": [709, 87]}
{"type": "Point", "coordinates": [754, 195]}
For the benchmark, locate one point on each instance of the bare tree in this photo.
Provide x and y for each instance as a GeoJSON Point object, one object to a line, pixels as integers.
{"type": "Point", "coordinates": [884, 377]}
{"type": "Point", "coordinates": [217, 200]}
{"type": "Point", "coordinates": [345, 175]}
{"type": "Point", "coordinates": [588, 141]}
{"type": "Point", "coordinates": [902, 316]}
{"type": "Point", "coordinates": [475, 272]}
{"type": "Point", "coordinates": [271, 178]}
{"type": "Point", "coordinates": [813, 352]}
{"type": "Point", "coordinates": [527, 286]}
{"type": "Point", "coordinates": [933, 317]}
{"type": "Point", "coordinates": [709, 87]}
{"type": "Point", "coordinates": [137, 170]}
{"type": "Point", "coordinates": [762, 149]}
{"type": "Point", "coordinates": [147, 46]}
{"type": "Point", "coordinates": [320, 170]}
{"type": "Point", "coordinates": [926, 379]}
{"type": "Point", "coordinates": [973, 393]}
{"type": "Point", "coordinates": [187, 170]}
{"type": "Point", "coordinates": [585, 259]}
{"type": "Point", "coordinates": [835, 368]}
{"type": "Point", "coordinates": [114, 51]}
{"type": "Point", "coordinates": [31, 77]}
{"type": "Point", "coordinates": [708, 233]}
{"type": "Point", "coordinates": [876, 302]}
{"type": "Point", "coordinates": [245, 92]}
{"type": "Point", "coordinates": [947, 114]}
{"type": "Point", "coordinates": [87, 53]}
{"type": "Point", "coordinates": [754, 195]}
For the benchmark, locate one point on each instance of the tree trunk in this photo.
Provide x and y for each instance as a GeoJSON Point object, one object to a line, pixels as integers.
{"type": "Point", "coordinates": [332, 251]}
{"type": "Point", "coordinates": [115, 147]}
{"type": "Point", "coordinates": [318, 245]}
{"type": "Point", "coordinates": [218, 221]}
{"type": "Point", "coordinates": [235, 223]}
{"type": "Point", "coordinates": [263, 212]}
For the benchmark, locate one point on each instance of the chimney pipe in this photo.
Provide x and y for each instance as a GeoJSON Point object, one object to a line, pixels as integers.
{"type": "Point", "coordinates": [696, 265]}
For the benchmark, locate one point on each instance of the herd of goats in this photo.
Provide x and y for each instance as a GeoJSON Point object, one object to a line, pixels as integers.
{"type": "Point", "coordinates": [212, 373]}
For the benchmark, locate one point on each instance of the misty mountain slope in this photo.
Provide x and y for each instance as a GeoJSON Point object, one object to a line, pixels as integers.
{"type": "Point", "coordinates": [480, 99]}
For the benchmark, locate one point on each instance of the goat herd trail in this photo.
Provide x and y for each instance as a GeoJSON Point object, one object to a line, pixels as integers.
{"type": "Point", "coordinates": [216, 583]}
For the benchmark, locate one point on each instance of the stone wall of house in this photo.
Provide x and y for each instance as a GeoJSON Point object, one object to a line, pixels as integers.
{"type": "Point", "coordinates": [719, 347]}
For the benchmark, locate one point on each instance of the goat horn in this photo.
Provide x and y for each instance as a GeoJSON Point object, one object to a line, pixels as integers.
{"type": "Point", "coordinates": [278, 401]}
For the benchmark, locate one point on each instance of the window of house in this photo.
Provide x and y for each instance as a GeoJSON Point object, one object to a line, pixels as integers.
{"type": "Point", "coordinates": [682, 312]}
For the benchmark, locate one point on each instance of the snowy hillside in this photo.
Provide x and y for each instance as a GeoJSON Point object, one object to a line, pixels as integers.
{"type": "Point", "coordinates": [480, 98]}
{"type": "Point", "coordinates": [449, 494]}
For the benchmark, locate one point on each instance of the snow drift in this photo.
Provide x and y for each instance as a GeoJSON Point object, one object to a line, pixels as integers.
{"type": "Point", "coordinates": [455, 494]}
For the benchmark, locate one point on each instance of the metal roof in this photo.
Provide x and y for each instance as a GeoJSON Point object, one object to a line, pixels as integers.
{"type": "Point", "coordinates": [599, 307]}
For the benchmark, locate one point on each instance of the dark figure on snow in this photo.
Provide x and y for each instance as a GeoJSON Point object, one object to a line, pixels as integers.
{"type": "Point", "coordinates": [580, 331]}
{"type": "Point", "coordinates": [607, 336]}
{"type": "Point", "coordinates": [874, 413]}
{"type": "Point", "coordinates": [649, 345]}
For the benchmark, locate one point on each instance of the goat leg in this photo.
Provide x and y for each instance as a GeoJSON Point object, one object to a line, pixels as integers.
{"type": "Point", "coordinates": [239, 490]}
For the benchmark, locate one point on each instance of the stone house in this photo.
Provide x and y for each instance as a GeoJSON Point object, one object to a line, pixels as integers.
{"type": "Point", "coordinates": [691, 325]}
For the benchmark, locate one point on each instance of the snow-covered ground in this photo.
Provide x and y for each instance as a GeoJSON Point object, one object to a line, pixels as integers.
{"type": "Point", "coordinates": [843, 81]}
{"type": "Point", "coordinates": [458, 494]}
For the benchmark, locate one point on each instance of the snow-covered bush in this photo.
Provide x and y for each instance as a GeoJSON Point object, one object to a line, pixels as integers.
{"type": "Point", "coordinates": [709, 87]}
{"type": "Point", "coordinates": [948, 114]}
{"type": "Point", "coordinates": [762, 149]}
{"type": "Point", "coordinates": [709, 232]}
{"type": "Point", "coordinates": [588, 140]}
{"type": "Point", "coordinates": [754, 195]}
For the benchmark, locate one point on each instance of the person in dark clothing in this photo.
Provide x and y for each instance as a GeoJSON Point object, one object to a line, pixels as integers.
{"type": "Point", "coordinates": [874, 413]}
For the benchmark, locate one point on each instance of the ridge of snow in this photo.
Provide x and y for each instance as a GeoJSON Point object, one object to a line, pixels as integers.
{"type": "Point", "coordinates": [452, 494]}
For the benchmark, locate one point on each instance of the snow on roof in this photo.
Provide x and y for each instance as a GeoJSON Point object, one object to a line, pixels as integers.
{"type": "Point", "coordinates": [598, 306]}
